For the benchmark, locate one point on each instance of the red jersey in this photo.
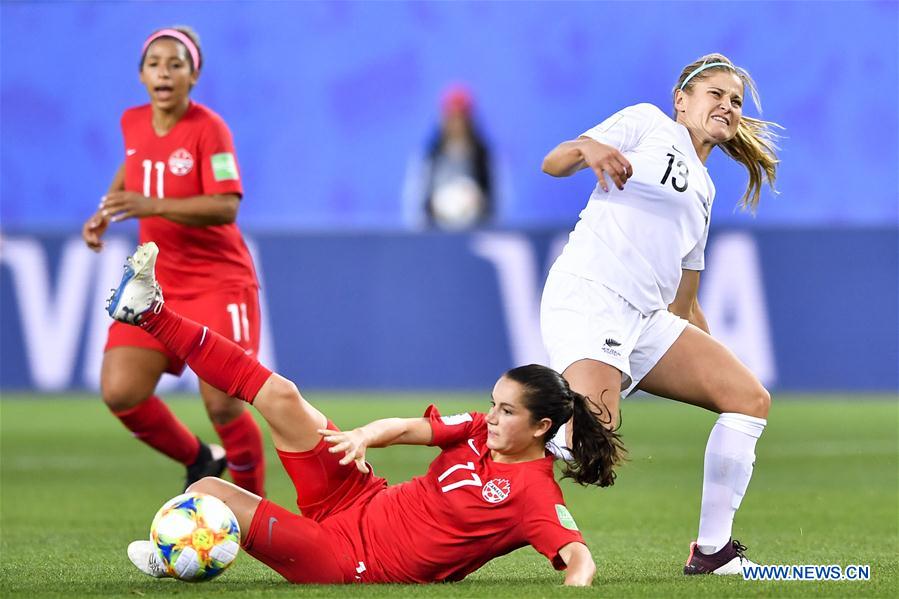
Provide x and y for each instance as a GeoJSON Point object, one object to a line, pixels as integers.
{"type": "Point", "coordinates": [467, 510]}
{"type": "Point", "coordinates": [195, 158]}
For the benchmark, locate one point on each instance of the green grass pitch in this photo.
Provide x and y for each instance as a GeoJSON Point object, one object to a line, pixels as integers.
{"type": "Point", "coordinates": [76, 488]}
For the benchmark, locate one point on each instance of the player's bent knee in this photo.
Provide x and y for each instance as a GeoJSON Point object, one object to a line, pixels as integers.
{"type": "Point", "coordinates": [280, 402]}
{"type": "Point", "coordinates": [756, 402]}
{"type": "Point", "coordinates": [763, 401]}
{"type": "Point", "coordinates": [221, 413]}
{"type": "Point", "coordinates": [119, 397]}
{"type": "Point", "coordinates": [282, 391]}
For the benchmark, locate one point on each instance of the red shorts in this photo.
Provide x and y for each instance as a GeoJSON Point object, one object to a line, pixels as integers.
{"type": "Point", "coordinates": [305, 548]}
{"type": "Point", "coordinates": [233, 313]}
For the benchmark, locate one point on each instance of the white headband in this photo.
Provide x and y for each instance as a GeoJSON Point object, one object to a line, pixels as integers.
{"type": "Point", "coordinates": [704, 67]}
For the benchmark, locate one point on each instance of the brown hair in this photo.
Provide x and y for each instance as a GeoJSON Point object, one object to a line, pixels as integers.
{"type": "Point", "coordinates": [754, 145]}
{"type": "Point", "coordinates": [596, 450]}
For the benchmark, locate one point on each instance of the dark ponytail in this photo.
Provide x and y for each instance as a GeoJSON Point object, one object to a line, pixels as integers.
{"type": "Point", "coordinates": [596, 449]}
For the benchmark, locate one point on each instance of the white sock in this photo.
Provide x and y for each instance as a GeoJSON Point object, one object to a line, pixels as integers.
{"type": "Point", "coordinates": [729, 457]}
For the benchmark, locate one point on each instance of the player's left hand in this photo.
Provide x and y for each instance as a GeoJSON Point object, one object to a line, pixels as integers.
{"type": "Point", "coordinates": [120, 205]}
{"type": "Point", "coordinates": [352, 443]}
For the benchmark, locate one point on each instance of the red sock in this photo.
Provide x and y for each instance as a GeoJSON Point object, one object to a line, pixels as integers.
{"type": "Point", "coordinates": [242, 440]}
{"type": "Point", "coordinates": [152, 422]}
{"type": "Point", "coordinates": [215, 359]}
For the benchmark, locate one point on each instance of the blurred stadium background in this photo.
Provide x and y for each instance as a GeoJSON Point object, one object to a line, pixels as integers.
{"type": "Point", "coordinates": [329, 104]}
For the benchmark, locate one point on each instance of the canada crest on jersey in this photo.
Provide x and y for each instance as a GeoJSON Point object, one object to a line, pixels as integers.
{"type": "Point", "coordinates": [181, 162]}
{"type": "Point", "coordinates": [496, 490]}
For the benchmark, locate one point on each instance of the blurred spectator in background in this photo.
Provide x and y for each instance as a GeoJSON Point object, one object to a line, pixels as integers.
{"type": "Point", "coordinates": [452, 186]}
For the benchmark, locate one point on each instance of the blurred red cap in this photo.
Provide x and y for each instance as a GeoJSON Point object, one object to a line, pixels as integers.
{"type": "Point", "coordinates": [457, 99]}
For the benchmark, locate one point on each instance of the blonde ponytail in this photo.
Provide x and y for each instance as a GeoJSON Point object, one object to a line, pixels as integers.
{"type": "Point", "coordinates": [753, 146]}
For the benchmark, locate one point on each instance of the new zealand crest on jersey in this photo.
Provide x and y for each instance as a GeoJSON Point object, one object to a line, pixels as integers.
{"type": "Point", "coordinates": [496, 490]}
{"type": "Point", "coordinates": [181, 162]}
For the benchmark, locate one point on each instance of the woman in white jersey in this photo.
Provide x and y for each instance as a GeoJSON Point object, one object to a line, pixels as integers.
{"type": "Point", "coordinates": [620, 309]}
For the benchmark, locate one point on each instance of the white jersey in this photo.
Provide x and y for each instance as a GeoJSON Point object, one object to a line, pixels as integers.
{"type": "Point", "coordinates": [636, 241]}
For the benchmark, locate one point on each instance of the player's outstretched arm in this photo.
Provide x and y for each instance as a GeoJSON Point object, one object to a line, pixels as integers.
{"type": "Point", "coordinates": [565, 159]}
{"type": "Point", "coordinates": [581, 567]}
{"type": "Point", "coordinates": [571, 156]}
{"type": "Point", "coordinates": [380, 433]}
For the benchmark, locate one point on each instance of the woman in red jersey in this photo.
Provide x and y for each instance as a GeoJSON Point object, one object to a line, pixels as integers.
{"type": "Point", "coordinates": [490, 491]}
{"type": "Point", "coordinates": [180, 178]}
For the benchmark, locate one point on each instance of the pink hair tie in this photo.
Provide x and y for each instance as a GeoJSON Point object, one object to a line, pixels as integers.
{"type": "Point", "coordinates": [184, 39]}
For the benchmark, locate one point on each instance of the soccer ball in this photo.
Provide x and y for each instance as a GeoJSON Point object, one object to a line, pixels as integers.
{"type": "Point", "coordinates": [196, 536]}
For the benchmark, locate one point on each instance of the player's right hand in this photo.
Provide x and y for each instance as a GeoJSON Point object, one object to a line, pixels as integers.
{"type": "Point", "coordinates": [351, 443]}
{"type": "Point", "coordinates": [606, 160]}
{"type": "Point", "coordinates": [93, 230]}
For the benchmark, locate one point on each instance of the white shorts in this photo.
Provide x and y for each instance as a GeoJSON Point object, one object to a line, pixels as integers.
{"type": "Point", "coordinates": [582, 319]}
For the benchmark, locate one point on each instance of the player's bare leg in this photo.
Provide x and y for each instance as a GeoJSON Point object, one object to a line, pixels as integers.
{"type": "Point", "coordinates": [601, 384]}
{"type": "Point", "coordinates": [293, 421]}
{"type": "Point", "coordinates": [699, 370]}
{"type": "Point", "coordinates": [129, 375]}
